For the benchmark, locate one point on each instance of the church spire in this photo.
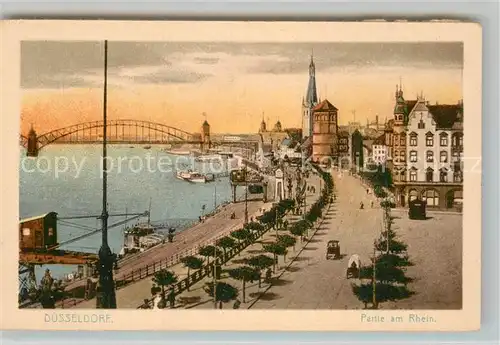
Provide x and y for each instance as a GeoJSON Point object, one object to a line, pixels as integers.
{"type": "Point", "coordinates": [312, 95]}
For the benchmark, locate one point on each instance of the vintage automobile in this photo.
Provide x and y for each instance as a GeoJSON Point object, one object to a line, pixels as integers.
{"type": "Point", "coordinates": [333, 250]}
{"type": "Point", "coordinates": [353, 267]}
{"type": "Point", "coordinates": [416, 209]}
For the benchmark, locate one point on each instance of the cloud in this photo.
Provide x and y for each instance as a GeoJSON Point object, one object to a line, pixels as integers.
{"type": "Point", "coordinates": [206, 60]}
{"type": "Point", "coordinates": [335, 56]}
{"type": "Point", "coordinates": [79, 64]}
{"type": "Point", "coordinates": [168, 77]}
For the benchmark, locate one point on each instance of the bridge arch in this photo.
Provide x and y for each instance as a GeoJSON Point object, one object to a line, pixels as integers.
{"type": "Point", "coordinates": [144, 131]}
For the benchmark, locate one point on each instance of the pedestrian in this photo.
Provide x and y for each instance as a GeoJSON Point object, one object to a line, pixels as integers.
{"type": "Point", "coordinates": [236, 304]}
{"type": "Point", "coordinates": [372, 203]}
{"type": "Point", "coordinates": [146, 304]}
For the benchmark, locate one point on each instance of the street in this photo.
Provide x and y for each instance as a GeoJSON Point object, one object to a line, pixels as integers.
{"type": "Point", "coordinates": [434, 246]}
{"type": "Point", "coordinates": [312, 282]}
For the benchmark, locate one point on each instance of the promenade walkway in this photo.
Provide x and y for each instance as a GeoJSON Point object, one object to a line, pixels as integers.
{"type": "Point", "coordinates": [197, 297]}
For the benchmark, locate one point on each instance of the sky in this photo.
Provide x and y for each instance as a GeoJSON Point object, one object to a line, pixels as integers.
{"type": "Point", "coordinates": [235, 84]}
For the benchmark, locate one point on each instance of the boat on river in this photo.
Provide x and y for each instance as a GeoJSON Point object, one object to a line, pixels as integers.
{"type": "Point", "coordinates": [140, 237]}
{"type": "Point", "coordinates": [209, 158]}
{"type": "Point", "coordinates": [191, 176]}
{"type": "Point", "coordinates": [178, 152]}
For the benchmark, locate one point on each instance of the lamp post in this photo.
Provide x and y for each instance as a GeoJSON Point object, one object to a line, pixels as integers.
{"type": "Point", "coordinates": [246, 191]}
{"type": "Point", "coordinates": [106, 298]}
{"type": "Point", "coordinates": [215, 274]}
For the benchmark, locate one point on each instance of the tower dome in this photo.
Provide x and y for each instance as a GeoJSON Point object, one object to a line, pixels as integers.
{"type": "Point", "coordinates": [277, 127]}
{"type": "Point", "coordinates": [262, 128]}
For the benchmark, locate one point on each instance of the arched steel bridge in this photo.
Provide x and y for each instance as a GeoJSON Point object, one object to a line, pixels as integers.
{"type": "Point", "coordinates": [118, 131]}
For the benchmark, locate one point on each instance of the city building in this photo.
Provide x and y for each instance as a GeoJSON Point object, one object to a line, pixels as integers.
{"type": "Point", "coordinates": [289, 149]}
{"type": "Point", "coordinates": [325, 132]}
{"type": "Point", "coordinates": [343, 149]}
{"type": "Point", "coordinates": [357, 150]}
{"type": "Point", "coordinates": [310, 101]}
{"type": "Point", "coordinates": [380, 151]}
{"type": "Point", "coordinates": [274, 137]}
{"type": "Point", "coordinates": [426, 144]}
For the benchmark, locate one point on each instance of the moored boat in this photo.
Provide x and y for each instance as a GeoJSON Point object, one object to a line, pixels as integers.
{"type": "Point", "coordinates": [178, 152]}
{"type": "Point", "coordinates": [191, 176]}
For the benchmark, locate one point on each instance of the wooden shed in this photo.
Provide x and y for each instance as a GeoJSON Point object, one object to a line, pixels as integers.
{"type": "Point", "coordinates": [38, 233]}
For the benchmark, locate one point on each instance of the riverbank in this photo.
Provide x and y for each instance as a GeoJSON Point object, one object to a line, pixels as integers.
{"type": "Point", "coordinates": [186, 242]}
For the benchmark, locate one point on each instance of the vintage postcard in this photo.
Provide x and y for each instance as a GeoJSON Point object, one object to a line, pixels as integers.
{"type": "Point", "coordinates": [241, 175]}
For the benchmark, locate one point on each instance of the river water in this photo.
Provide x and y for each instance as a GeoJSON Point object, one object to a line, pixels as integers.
{"type": "Point", "coordinates": [67, 179]}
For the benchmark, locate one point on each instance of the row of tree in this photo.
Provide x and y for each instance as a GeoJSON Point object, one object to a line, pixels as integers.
{"type": "Point", "coordinates": [238, 239]}
{"type": "Point", "coordinates": [253, 267]}
{"type": "Point", "coordinates": [387, 274]}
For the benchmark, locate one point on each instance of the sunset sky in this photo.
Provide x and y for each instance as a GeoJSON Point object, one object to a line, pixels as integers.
{"type": "Point", "coordinates": [234, 83]}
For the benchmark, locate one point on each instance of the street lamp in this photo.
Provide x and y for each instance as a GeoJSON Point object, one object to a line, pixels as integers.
{"type": "Point", "coordinates": [215, 275]}
{"type": "Point", "coordinates": [106, 298]}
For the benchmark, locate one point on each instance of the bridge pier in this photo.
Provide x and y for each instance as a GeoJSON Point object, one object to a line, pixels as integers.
{"type": "Point", "coordinates": [234, 193]}
{"type": "Point", "coordinates": [32, 149]}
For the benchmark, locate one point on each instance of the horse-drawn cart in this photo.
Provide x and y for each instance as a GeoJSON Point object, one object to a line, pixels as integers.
{"type": "Point", "coordinates": [333, 250]}
{"type": "Point", "coordinates": [353, 267]}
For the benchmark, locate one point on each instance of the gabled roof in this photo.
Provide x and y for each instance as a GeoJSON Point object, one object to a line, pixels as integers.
{"type": "Point", "coordinates": [286, 142]}
{"type": "Point", "coordinates": [324, 106]}
{"type": "Point", "coordinates": [410, 105]}
{"type": "Point", "coordinates": [379, 140]}
{"type": "Point", "coordinates": [445, 115]}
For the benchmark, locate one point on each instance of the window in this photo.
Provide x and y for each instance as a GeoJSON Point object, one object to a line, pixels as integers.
{"type": "Point", "coordinates": [457, 176]}
{"type": "Point", "coordinates": [431, 197]}
{"type": "Point", "coordinates": [429, 156]}
{"type": "Point", "coordinates": [413, 140]}
{"type": "Point", "coordinates": [429, 139]}
{"type": "Point", "coordinates": [413, 175]}
{"type": "Point", "coordinates": [413, 156]}
{"type": "Point", "coordinates": [402, 140]}
{"type": "Point", "coordinates": [443, 175]}
{"type": "Point", "coordinates": [429, 175]}
{"type": "Point", "coordinates": [460, 140]}
{"type": "Point", "coordinates": [403, 175]}
{"type": "Point", "coordinates": [396, 140]}
{"type": "Point", "coordinates": [421, 124]}
{"type": "Point", "coordinates": [403, 156]}
{"type": "Point", "coordinates": [412, 195]}
{"type": "Point", "coordinates": [443, 139]}
{"type": "Point", "coordinates": [443, 157]}
{"type": "Point", "coordinates": [396, 156]}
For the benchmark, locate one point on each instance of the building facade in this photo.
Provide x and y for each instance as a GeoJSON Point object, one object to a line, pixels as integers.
{"type": "Point", "coordinates": [325, 132]}
{"type": "Point", "coordinates": [309, 102]}
{"type": "Point", "coordinates": [426, 144]}
{"type": "Point", "coordinates": [380, 151]}
{"type": "Point", "coordinates": [357, 151]}
{"type": "Point", "coordinates": [343, 149]}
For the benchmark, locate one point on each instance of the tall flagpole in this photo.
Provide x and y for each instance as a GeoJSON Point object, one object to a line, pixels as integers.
{"type": "Point", "coordinates": [106, 298]}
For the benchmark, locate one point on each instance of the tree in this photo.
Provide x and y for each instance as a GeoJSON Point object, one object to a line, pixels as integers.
{"type": "Point", "coordinates": [226, 243]}
{"type": "Point", "coordinates": [241, 235]}
{"type": "Point", "coordinates": [254, 226]}
{"type": "Point", "coordinates": [387, 272]}
{"type": "Point", "coordinates": [164, 278]}
{"type": "Point", "coordinates": [275, 249]}
{"type": "Point", "coordinates": [223, 292]}
{"type": "Point", "coordinates": [260, 262]}
{"type": "Point", "coordinates": [192, 263]}
{"type": "Point", "coordinates": [208, 252]}
{"type": "Point", "coordinates": [244, 273]}
{"type": "Point", "coordinates": [287, 241]}
{"type": "Point", "coordinates": [300, 228]}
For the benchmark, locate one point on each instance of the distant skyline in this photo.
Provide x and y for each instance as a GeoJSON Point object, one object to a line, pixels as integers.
{"type": "Point", "coordinates": [234, 83]}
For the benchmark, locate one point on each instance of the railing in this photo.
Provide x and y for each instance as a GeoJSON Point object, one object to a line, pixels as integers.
{"type": "Point", "coordinates": [198, 275]}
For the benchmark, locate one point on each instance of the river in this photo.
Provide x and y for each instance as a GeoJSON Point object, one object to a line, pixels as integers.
{"type": "Point", "coordinates": [67, 179]}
